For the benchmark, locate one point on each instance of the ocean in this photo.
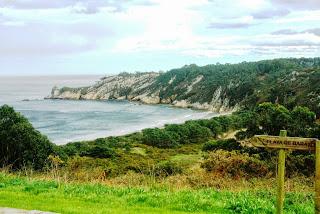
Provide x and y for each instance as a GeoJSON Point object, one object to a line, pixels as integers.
{"type": "Point", "coordinates": [64, 121]}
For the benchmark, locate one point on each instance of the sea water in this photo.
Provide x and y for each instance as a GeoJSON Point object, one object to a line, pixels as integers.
{"type": "Point", "coordinates": [66, 121]}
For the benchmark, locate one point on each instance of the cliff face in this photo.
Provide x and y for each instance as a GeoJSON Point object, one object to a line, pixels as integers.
{"type": "Point", "coordinates": [122, 86]}
{"type": "Point", "coordinates": [218, 88]}
{"type": "Point", "coordinates": [141, 87]}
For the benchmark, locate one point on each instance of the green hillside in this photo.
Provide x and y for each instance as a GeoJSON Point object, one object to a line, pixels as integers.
{"type": "Point", "coordinates": [286, 81]}
{"type": "Point", "coordinates": [219, 87]}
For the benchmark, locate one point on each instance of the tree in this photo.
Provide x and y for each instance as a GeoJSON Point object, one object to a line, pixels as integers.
{"type": "Point", "coordinates": [303, 120]}
{"type": "Point", "coordinates": [197, 133]}
{"type": "Point", "coordinates": [160, 138]}
{"type": "Point", "coordinates": [180, 129]}
{"type": "Point", "coordinates": [224, 122]}
{"type": "Point", "coordinates": [273, 118]}
{"type": "Point", "coordinates": [211, 124]}
{"type": "Point", "coordinates": [225, 144]}
{"type": "Point", "coordinates": [20, 144]}
{"type": "Point", "coordinates": [99, 152]}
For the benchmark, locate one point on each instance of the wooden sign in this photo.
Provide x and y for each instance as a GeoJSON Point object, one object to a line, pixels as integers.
{"type": "Point", "coordinates": [277, 142]}
{"type": "Point", "coordinates": [282, 143]}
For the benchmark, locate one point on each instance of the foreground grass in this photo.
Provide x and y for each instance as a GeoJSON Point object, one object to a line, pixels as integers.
{"type": "Point", "coordinates": [20, 192]}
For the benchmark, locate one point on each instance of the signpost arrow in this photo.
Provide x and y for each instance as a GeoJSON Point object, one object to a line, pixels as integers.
{"type": "Point", "coordinates": [278, 142]}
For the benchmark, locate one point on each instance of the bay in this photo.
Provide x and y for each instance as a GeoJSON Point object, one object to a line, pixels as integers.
{"type": "Point", "coordinates": [66, 121]}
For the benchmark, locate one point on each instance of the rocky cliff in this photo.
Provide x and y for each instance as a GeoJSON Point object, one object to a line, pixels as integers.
{"type": "Point", "coordinates": [124, 86]}
{"type": "Point", "coordinates": [141, 87]}
{"type": "Point", "coordinates": [218, 88]}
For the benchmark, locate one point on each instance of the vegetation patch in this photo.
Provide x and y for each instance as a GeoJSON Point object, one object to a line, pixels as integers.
{"type": "Point", "coordinates": [97, 198]}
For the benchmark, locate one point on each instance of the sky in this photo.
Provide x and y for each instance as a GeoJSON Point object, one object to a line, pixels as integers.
{"type": "Point", "coordinates": [47, 37]}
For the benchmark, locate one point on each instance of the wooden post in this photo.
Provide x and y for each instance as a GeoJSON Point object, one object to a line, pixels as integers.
{"type": "Point", "coordinates": [283, 143]}
{"type": "Point", "coordinates": [281, 171]}
{"type": "Point", "coordinates": [317, 179]}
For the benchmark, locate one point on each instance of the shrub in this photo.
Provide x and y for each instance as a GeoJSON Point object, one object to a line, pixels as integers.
{"type": "Point", "coordinates": [167, 168]}
{"type": "Point", "coordinates": [105, 146]}
{"type": "Point", "coordinates": [75, 148]}
{"type": "Point", "coordinates": [193, 131]}
{"type": "Point", "coordinates": [180, 129]}
{"type": "Point", "coordinates": [225, 122]}
{"type": "Point", "coordinates": [160, 138]}
{"type": "Point", "coordinates": [211, 124]}
{"type": "Point", "coordinates": [302, 121]}
{"type": "Point", "coordinates": [87, 168]}
{"type": "Point", "coordinates": [197, 133]}
{"type": "Point", "coordinates": [300, 162]}
{"type": "Point", "coordinates": [20, 144]}
{"type": "Point", "coordinates": [228, 144]}
{"type": "Point", "coordinates": [112, 142]}
{"type": "Point", "coordinates": [273, 118]}
{"type": "Point", "coordinates": [235, 165]}
{"type": "Point", "coordinates": [241, 135]}
{"type": "Point", "coordinates": [269, 118]}
{"type": "Point", "coordinates": [99, 152]}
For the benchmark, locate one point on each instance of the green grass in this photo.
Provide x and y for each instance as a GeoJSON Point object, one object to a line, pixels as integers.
{"type": "Point", "coordinates": [96, 198]}
{"type": "Point", "coordinates": [189, 158]}
{"type": "Point", "coordinates": [186, 160]}
{"type": "Point", "coordinates": [139, 151]}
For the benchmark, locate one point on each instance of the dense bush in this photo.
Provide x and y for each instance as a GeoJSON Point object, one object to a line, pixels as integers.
{"type": "Point", "coordinates": [235, 164]}
{"type": "Point", "coordinates": [271, 118]}
{"type": "Point", "coordinates": [160, 138]}
{"type": "Point", "coordinates": [227, 144]}
{"type": "Point", "coordinates": [100, 148]}
{"type": "Point", "coordinates": [300, 163]}
{"type": "Point", "coordinates": [190, 132]}
{"type": "Point", "coordinates": [20, 144]}
{"type": "Point", "coordinates": [213, 124]}
{"type": "Point", "coordinates": [75, 148]}
{"type": "Point", "coordinates": [197, 133]}
{"type": "Point", "coordinates": [167, 168]}
{"type": "Point", "coordinates": [225, 122]}
{"type": "Point", "coordinates": [241, 135]}
{"type": "Point", "coordinates": [315, 132]}
{"type": "Point", "coordinates": [99, 152]}
{"type": "Point", "coordinates": [302, 122]}
{"type": "Point", "coordinates": [182, 130]}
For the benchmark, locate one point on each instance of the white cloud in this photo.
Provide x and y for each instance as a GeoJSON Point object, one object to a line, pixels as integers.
{"type": "Point", "coordinates": [39, 39]}
{"type": "Point", "coordinates": [240, 22]}
{"type": "Point", "coordinates": [298, 4]}
{"type": "Point", "coordinates": [300, 16]}
{"type": "Point", "coordinates": [81, 6]}
{"type": "Point", "coordinates": [185, 29]}
{"type": "Point", "coordinates": [164, 27]}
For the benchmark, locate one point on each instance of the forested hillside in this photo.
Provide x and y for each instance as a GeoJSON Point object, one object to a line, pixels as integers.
{"type": "Point", "coordinates": [287, 81]}
{"type": "Point", "coordinates": [219, 87]}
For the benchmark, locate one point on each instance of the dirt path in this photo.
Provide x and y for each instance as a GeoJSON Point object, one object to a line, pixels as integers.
{"type": "Point", "coordinates": [230, 134]}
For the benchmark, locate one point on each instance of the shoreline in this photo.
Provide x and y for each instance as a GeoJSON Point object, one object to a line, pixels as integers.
{"type": "Point", "coordinates": [132, 131]}
{"type": "Point", "coordinates": [151, 104]}
{"type": "Point", "coordinates": [195, 114]}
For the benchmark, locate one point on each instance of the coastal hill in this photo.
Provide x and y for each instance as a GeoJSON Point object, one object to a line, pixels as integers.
{"type": "Point", "coordinates": [218, 87]}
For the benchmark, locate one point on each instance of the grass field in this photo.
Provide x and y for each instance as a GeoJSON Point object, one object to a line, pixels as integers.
{"type": "Point", "coordinates": [24, 193]}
